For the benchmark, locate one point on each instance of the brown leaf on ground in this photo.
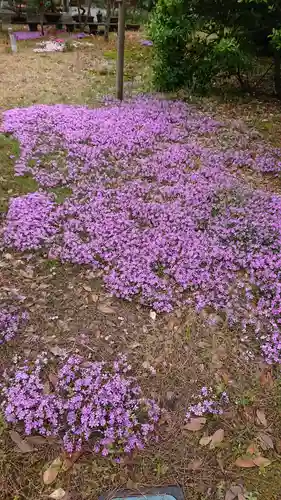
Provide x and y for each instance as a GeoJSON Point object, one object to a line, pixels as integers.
{"type": "Point", "coordinates": [51, 473]}
{"type": "Point", "coordinates": [205, 440]}
{"type": "Point", "coordinates": [216, 438]}
{"type": "Point", "coordinates": [266, 379]}
{"type": "Point", "coordinates": [46, 387]}
{"type": "Point", "coordinates": [240, 496]}
{"type": "Point", "coordinates": [36, 440]}
{"type": "Point", "coordinates": [229, 495]}
{"type": "Point", "coordinates": [22, 445]}
{"type": "Point", "coordinates": [131, 485]}
{"type": "Point", "coordinates": [95, 297]}
{"type": "Point", "coordinates": [53, 379]}
{"type": "Point", "coordinates": [261, 461]}
{"type": "Point", "coordinates": [244, 462]}
{"type": "Point", "coordinates": [261, 418]}
{"type": "Point", "coordinates": [278, 446]}
{"type": "Point", "coordinates": [69, 460]}
{"type": "Point", "coordinates": [58, 494]}
{"type": "Point", "coordinates": [87, 288]}
{"type": "Point", "coordinates": [195, 464]}
{"type": "Point", "coordinates": [265, 441]}
{"type": "Point", "coordinates": [234, 492]}
{"type": "Point", "coordinates": [58, 351]}
{"type": "Point", "coordinates": [195, 424]}
{"type": "Point", "coordinates": [105, 309]}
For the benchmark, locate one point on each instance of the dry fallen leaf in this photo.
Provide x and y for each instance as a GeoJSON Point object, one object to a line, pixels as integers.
{"type": "Point", "coordinates": [58, 351]}
{"type": "Point", "coordinates": [261, 461]}
{"type": "Point", "coordinates": [240, 496]}
{"type": "Point", "coordinates": [266, 378]}
{"type": "Point", "coordinates": [261, 418]}
{"type": "Point", "coordinates": [106, 309]}
{"type": "Point", "coordinates": [46, 388]}
{"type": "Point", "coordinates": [134, 345]}
{"type": "Point", "coordinates": [53, 379]}
{"type": "Point", "coordinates": [195, 464]}
{"type": "Point", "coordinates": [265, 441]}
{"type": "Point", "coordinates": [131, 485]}
{"type": "Point", "coordinates": [152, 315]}
{"type": "Point", "coordinates": [22, 445]}
{"type": "Point", "coordinates": [51, 473]}
{"type": "Point", "coordinates": [36, 440]}
{"type": "Point", "coordinates": [57, 494]}
{"type": "Point", "coordinates": [195, 424]}
{"type": "Point", "coordinates": [87, 288]}
{"type": "Point", "coordinates": [229, 495]}
{"type": "Point", "coordinates": [245, 462]}
{"type": "Point", "coordinates": [95, 297]}
{"type": "Point", "coordinates": [69, 460]}
{"type": "Point", "coordinates": [205, 440]}
{"type": "Point", "coordinates": [216, 438]}
{"type": "Point", "coordinates": [234, 492]}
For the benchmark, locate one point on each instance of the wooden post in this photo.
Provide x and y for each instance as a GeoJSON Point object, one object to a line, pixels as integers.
{"type": "Point", "coordinates": [120, 51]}
{"type": "Point", "coordinates": [13, 40]}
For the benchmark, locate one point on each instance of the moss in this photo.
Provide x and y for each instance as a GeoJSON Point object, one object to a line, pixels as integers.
{"type": "Point", "coordinates": [267, 483]}
{"type": "Point", "coordinates": [61, 193]}
{"type": "Point", "coordinates": [110, 54]}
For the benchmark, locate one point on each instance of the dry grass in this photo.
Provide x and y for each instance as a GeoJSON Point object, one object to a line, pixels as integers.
{"type": "Point", "coordinates": [186, 354]}
{"type": "Point", "coordinates": [82, 76]}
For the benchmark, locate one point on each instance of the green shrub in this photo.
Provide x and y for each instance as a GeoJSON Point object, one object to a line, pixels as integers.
{"type": "Point", "coordinates": [190, 54]}
{"type": "Point", "coordinates": [168, 29]}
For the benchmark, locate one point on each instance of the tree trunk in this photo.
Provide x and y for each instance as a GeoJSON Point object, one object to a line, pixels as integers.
{"type": "Point", "coordinates": [66, 5]}
{"type": "Point", "coordinates": [41, 15]}
{"type": "Point", "coordinates": [107, 20]}
{"type": "Point", "coordinates": [277, 73]}
{"type": "Point", "coordinates": [79, 13]}
{"type": "Point", "coordinates": [88, 12]}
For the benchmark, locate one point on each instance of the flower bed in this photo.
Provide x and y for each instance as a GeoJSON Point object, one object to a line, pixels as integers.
{"type": "Point", "coordinates": [83, 403]}
{"type": "Point", "coordinates": [156, 205]}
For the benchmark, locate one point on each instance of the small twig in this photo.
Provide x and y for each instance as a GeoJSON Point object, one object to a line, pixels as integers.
{"type": "Point", "coordinates": [262, 77]}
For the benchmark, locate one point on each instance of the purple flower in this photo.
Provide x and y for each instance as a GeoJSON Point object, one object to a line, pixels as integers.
{"type": "Point", "coordinates": [146, 43]}
{"type": "Point", "coordinates": [92, 403]}
{"type": "Point", "coordinates": [207, 403]}
{"type": "Point", "coordinates": [147, 192]}
{"type": "Point", "coordinates": [11, 320]}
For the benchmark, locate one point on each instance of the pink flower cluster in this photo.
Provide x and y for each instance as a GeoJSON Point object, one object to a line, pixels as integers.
{"type": "Point", "coordinates": [10, 322]}
{"type": "Point", "coordinates": [207, 403]}
{"type": "Point", "coordinates": [91, 403]}
{"type": "Point", "coordinates": [157, 205]}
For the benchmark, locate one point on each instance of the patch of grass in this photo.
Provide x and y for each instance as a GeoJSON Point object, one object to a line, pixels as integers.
{"type": "Point", "coordinates": [61, 193]}
{"type": "Point", "coordinates": [110, 54]}
{"type": "Point", "coordinates": [3, 425]}
{"type": "Point", "coordinates": [246, 399]}
{"type": "Point", "coordinates": [11, 185]}
{"type": "Point", "coordinates": [266, 483]}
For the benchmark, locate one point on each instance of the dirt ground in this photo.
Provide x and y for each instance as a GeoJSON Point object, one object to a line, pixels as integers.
{"type": "Point", "coordinates": [67, 315]}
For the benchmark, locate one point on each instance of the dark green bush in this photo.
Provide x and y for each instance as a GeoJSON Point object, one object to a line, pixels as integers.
{"type": "Point", "coordinates": [169, 28]}
{"type": "Point", "coordinates": [199, 41]}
